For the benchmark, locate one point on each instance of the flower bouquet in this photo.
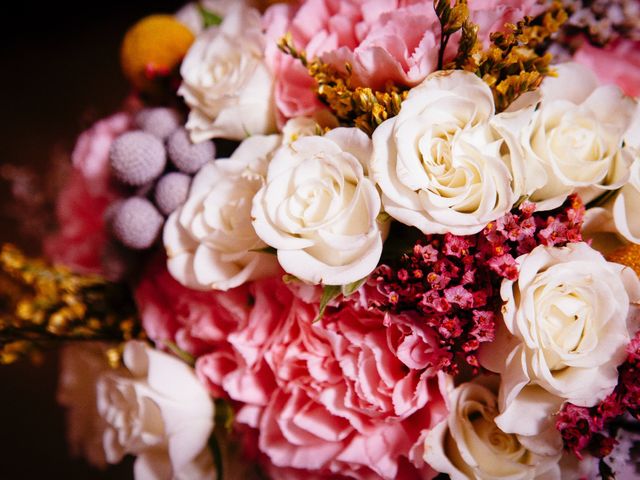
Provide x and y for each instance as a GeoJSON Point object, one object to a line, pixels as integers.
{"type": "Point", "coordinates": [366, 239]}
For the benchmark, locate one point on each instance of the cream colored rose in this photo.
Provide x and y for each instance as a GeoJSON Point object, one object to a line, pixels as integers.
{"type": "Point", "coordinates": [210, 242]}
{"type": "Point", "coordinates": [469, 444]}
{"type": "Point", "coordinates": [226, 82]}
{"type": "Point", "coordinates": [191, 16]}
{"type": "Point", "coordinates": [319, 209]}
{"type": "Point", "coordinates": [439, 163]}
{"type": "Point", "coordinates": [617, 221]}
{"type": "Point", "coordinates": [156, 409]}
{"type": "Point", "coordinates": [567, 320]}
{"type": "Point", "coordinates": [626, 206]}
{"type": "Point", "coordinates": [576, 135]}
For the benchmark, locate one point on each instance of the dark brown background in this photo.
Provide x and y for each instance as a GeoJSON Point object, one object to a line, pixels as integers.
{"type": "Point", "coordinates": [59, 72]}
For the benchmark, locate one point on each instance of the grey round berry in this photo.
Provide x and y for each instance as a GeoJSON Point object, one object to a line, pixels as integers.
{"type": "Point", "coordinates": [171, 191]}
{"type": "Point", "coordinates": [137, 158]}
{"type": "Point", "coordinates": [188, 157]}
{"type": "Point", "coordinates": [137, 223]}
{"type": "Point", "coordinates": [160, 122]}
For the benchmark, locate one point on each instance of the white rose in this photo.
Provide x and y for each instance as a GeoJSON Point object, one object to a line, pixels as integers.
{"type": "Point", "coordinates": [469, 444]}
{"type": "Point", "coordinates": [226, 82]}
{"type": "Point", "coordinates": [600, 230]}
{"type": "Point", "coordinates": [210, 242]}
{"type": "Point", "coordinates": [567, 320]}
{"type": "Point", "coordinates": [625, 208]}
{"type": "Point", "coordinates": [318, 208]}
{"type": "Point", "coordinates": [439, 162]}
{"type": "Point", "coordinates": [190, 14]}
{"type": "Point", "coordinates": [304, 126]}
{"type": "Point", "coordinates": [576, 135]}
{"type": "Point", "coordinates": [157, 410]}
{"type": "Point", "coordinates": [80, 365]}
{"type": "Point", "coordinates": [616, 220]}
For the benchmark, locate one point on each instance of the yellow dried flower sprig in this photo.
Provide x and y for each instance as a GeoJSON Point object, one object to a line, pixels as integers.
{"type": "Point", "coordinates": [512, 65]}
{"type": "Point", "coordinates": [41, 304]}
{"type": "Point", "coordinates": [354, 106]}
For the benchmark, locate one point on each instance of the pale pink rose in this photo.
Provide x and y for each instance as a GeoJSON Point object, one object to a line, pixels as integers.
{"type": "Point", "coordinates": [81, 239]}
{"type": "Point", "coordinates": [618, 63]}
{"type": "Point", "coordinates": [383, 40]}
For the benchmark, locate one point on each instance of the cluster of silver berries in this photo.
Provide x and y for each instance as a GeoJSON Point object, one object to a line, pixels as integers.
{"type": "Point", "coordinates": [158, 160]}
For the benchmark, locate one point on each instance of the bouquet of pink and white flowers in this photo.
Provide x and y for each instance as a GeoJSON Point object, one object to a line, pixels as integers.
{"type": "Point", "coordinates": [361, 239]}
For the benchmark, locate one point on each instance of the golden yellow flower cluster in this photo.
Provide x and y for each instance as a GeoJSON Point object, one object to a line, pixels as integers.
{"type": "Point", "coordinates": [512, 65]}
{"type": "Point", "coordinates": [360, 107]}
{"type": "Point", "coordinates": [42, 304]}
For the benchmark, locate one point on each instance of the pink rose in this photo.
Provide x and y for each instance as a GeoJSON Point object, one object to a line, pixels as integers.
{"type": "Point", "coordinates": [81, 239]}
{"type": "Point", "coordinates": [618, 63]}
{"type": "Point", "coordinates": [383, 40]}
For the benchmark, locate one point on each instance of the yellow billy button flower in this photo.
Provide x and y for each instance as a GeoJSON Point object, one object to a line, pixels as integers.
{"type": "Point", "coordinates": [153, 47]}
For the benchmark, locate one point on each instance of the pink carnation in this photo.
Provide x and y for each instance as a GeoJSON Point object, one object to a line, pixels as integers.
{"type": "Point", "coordinates": [346, 403]}
{"type": "Point", "coordinates": [349, 395]}
{"type": "Point", "coordinates": [81, 239]}
{"type": "Point", "coordinates": [225, 330]}
{"type": "Point", "coordinates": [197, 322]}
{"type": "Point", "coordinates": [384, 41]}
{"type": "Point", "coordinates": [618, 63]}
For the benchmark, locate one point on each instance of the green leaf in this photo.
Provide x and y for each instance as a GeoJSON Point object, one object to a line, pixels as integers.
{"type": "Point", "coordinates": [186, 357]}
{"type": "Point", "coordinates": [329, 293]}
{"type": "Point", "coordinates": [351, 288]}
{"type": "Point", "coordinates": [216, 453]}
{"type": "Point", "coordinates": [209, 18]}
{"type": "Point", "coordinates": [267, 249]}
{"type": "Point", "coordinates": [443, 10]}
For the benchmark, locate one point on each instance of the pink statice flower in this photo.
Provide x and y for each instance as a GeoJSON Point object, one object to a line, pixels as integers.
{"type": "Point", "coordinates": [588, 430]}
{"type": "Point", "coordinates": [81, 239]}
{"type": "Point", "coordinates": [617, 63]}
{"type": "Point", "coordinates": [385, 41]}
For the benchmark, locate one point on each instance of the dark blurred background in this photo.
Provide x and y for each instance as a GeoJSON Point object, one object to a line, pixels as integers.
{"type": "Point", "coordinates": [59, 72]}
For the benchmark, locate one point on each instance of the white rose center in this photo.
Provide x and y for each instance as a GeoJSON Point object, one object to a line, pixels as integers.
{"type": "Point", "coordinates": [564, 321]}
{"type": "Point", "coordinates": [480, 418]}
